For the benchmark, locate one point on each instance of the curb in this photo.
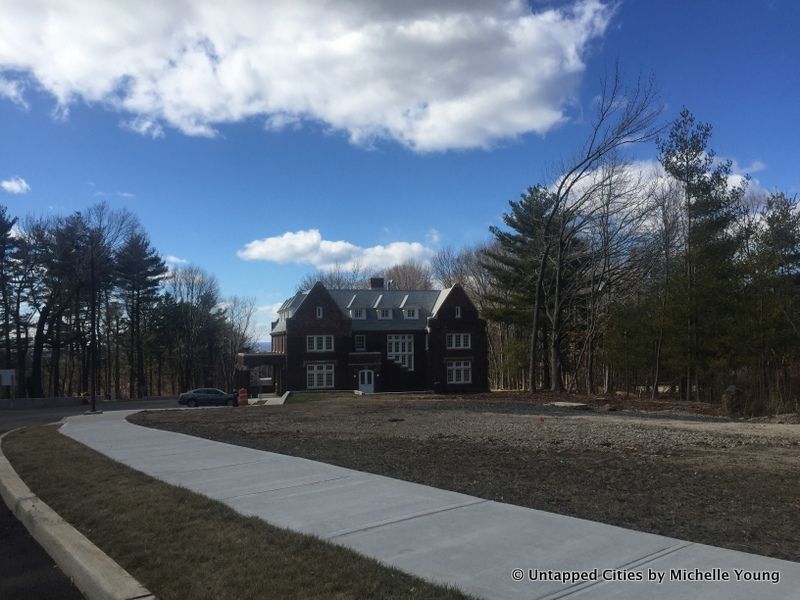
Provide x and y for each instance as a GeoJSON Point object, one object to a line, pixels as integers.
{"type": "Point", "coordinates": [92, 571]}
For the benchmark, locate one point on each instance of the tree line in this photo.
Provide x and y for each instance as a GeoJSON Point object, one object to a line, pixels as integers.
{"type": "Point", "coordinates": [90, 307]}
{"type": "Point", "coordinates": [680, 281]}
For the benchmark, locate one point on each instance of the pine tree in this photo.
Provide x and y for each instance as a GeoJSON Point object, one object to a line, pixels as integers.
{"type": "Point", "coordinates": [711, 208]}
{"type": "Point", "coordinates": [139, 271]}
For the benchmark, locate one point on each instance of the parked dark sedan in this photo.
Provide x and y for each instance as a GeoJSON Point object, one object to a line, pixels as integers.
{"type": "Point", "coordinates": [206, 396]}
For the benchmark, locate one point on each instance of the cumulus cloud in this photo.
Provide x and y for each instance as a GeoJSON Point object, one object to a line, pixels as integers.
{"type": "Point", "coordinates": [15, 185]}
{"type": "Point", "coordinates": [430, 75]}
{"type": "Point", "coordinates": [308, 247]}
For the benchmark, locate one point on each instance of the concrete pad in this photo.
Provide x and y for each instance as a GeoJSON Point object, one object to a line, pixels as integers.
{"type": "Point", "coordinates": [261, 476]}
{"type": "Point", "coordinates": [572, 405]}
{"type": "Point", "coordinates": [351, 503]}
{"type": "Point", "coordinates": [453, 547]}
{"type": "Point", "coordinates": [728, 572]}
{"type": "Point", "coordinates": [446, 537]}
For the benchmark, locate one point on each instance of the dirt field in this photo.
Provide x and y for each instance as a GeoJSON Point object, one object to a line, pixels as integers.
{"type": "Point", "coordinates": [703, 478]}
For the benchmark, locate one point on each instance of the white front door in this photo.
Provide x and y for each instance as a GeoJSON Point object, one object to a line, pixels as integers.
{"type": "Point", "coordinates": [366, 381]}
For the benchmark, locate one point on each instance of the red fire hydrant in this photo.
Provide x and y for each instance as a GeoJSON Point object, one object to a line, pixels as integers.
{"type": "Point", "coordinates": [242, 397]}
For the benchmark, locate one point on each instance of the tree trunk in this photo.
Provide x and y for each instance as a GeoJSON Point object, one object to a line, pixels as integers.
{"type": "Point", "coordinates": [555, 333]}
{"type": "Point", "coordinates": [55, 361]}
{"type": "Point", "coordinates": [141, 384]}
{"type": "Point", "coordinates": [36, 390]}
{"type": "Point", "coordinates": [590, 368]}
{"type": "Point", "coordinates": [131, 351]}
{"type": "Point", "coordinates": [117, 379]}
{"type": "Point", "coordinates": [537, 307]}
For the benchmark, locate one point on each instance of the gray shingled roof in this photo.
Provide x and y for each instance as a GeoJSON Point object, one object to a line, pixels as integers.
{"type": "Point", "coordinates": [371, 300]}
{"type": "Point", "coordinates": [425, 301]}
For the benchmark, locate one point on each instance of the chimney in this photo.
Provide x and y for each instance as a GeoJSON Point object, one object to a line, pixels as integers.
{"type": "Point", "coordinates": [376, 283]}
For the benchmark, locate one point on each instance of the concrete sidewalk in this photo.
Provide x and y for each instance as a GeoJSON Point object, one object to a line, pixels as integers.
{"type": "Point", "coordinates": [473, 544]}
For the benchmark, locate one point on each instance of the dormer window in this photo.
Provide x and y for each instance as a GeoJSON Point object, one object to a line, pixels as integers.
{"type": "Point", "coordinates": [411, 313]}
{"type": "Point", "coordinates": [319, 312]}
{"type": "Point", "coordinates": [458, 312]}
{"type": "Point", "coordinates": [358, 313]}
{"type": "Point", "coordinates": [384, 313]}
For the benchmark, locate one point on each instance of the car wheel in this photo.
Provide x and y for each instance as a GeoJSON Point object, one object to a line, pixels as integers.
{"type": "Point", "coordinates": [192, 403]}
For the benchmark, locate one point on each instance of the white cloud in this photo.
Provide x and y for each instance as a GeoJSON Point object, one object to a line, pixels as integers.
{"type": "Point", "coordinates": [433, 236]}
{"type": "Point", "coordinates": [308, 247]}
{"type": "Point", "coordinates": [144, 126]}
{"type": "Point", "coordinates": [13, 90]}
{"type": "Point", "coordinates": [15, 185]}
{"type": "Point", "coordinates": [269, 311]}
{"type": "Point", "coordinates": [430, 75]}
{"type": "Point", "coordinates": [174, 261]}
{"type": "Point", "coordinates": [753, 167]}
{"type": "Point", "coordinates": [102, 194]}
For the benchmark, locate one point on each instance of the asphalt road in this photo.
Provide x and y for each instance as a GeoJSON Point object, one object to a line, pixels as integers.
{"type": "Point", "coordinates": [26, 571]}
{"type": "Point", "coordinates": [13, 418]}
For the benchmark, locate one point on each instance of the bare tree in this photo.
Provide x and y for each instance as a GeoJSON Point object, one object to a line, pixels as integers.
{"type": "Point", "coordinates": [624, 116]}
{"type": "Point", "coordinates": [338, 277]}
{"type": "Point", "coordinates": [238, 334]}
{"type": "Point", "coordinates": [197, 296]}
{"type": "Point", "coordinates": [667, 200]}
{"type": "Point", "coordinates": [410, 275]}
{"type": "Point", "coordinates": [448, 268]}
{"type": "Point", "coordinates": [616, 253]}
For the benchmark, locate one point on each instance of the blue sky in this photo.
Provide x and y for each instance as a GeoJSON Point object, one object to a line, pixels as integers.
{"type": "Point", "coordinates": [389, 140]}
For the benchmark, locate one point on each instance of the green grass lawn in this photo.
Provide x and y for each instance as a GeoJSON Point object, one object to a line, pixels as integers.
{"type": "Point", "coordinates": [182, 545]}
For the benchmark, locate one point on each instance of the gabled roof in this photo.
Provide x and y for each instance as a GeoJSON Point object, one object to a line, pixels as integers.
{"type": "Point", "coordinates": [286, 310]}
{"type": "Point", "coordinates": [440, 300]}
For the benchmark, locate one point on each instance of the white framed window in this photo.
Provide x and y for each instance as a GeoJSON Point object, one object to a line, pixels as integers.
{"type": "Point", "coordinates": [319, 312]}
{"type": "Point", "coordinates": [400, 349]}
{"type": "Point", "coordinates": [459, 371]}
{"type": "Point", "coordinates": [411, 313]}
{"type": "Point", "coordinates": [458, 312]}
{"type": "Point", "coordinates": [319, 343]}
{"type": "Point", "coordinates": [384, 313]}
{"type": "Point", "coordinates": [459, 341]}
{"type": "Point", "coordinates": [319, 376]}
{"type": "Point", "coordinates": [358, 313]}
{"type": "Point", "coordinates": [361, 343]}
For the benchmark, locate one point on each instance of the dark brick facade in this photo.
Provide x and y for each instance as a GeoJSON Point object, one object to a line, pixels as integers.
{"type": "Point", "coordinates": [445, 321]}
{"type": "Point", "coordinates": [429, 346]}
